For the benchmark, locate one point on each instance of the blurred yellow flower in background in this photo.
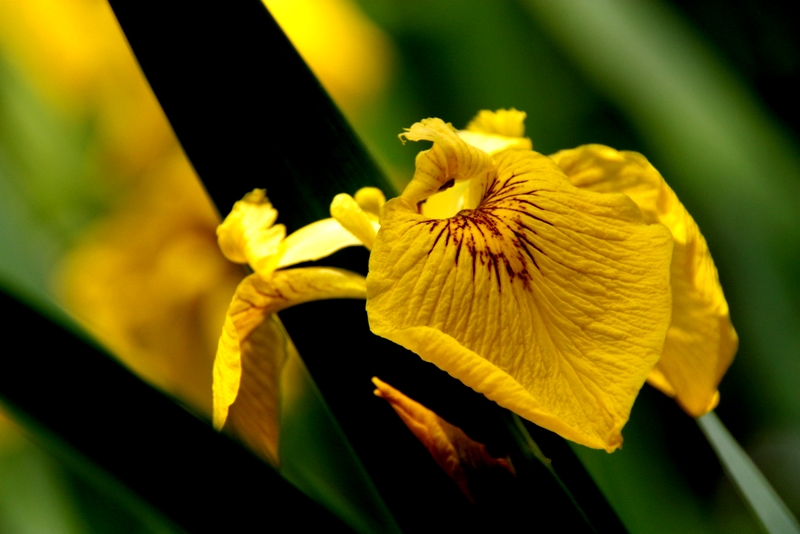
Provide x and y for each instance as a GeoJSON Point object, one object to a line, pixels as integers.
{"type": "Point", "coordinates": [76, 57]}
{"type": "Point", "coordinates": [150, 283]}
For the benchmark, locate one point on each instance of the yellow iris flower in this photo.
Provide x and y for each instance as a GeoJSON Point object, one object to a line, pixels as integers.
{"type": "Point", "coordinates": [254, 347]}
{"type": "Point", "coordinates": [548, 283]}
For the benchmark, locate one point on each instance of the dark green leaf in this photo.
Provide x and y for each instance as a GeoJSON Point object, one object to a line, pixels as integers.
{"type": "Point", "coordinates": [87, 403]}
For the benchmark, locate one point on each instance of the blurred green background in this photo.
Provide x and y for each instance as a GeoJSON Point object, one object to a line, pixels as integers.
{"type": "Point", "coordinates": [706, 90]}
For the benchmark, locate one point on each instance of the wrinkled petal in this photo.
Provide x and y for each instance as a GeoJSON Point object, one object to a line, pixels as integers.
{"type": "Point", "coordinates": [550, 300]}
{"type": "Point", "coordinates": [504, 122]}
{"type": "Point", "coordinates": [247, 235]}
{"type": "Point", "coordinates": [371, 200]}
{"type": "Point", "coordinates": [354, 219]}
{"type": "Point", "coordinates": [456, 453]}
{"type": "Point", "coordinates": [449, 160]}
{"type": "Point", "coordinates": [252, 349]}
{"type": "Point", "coordinates": [316, 240]}
{"type": "Point", "coordinates": [701, 341]}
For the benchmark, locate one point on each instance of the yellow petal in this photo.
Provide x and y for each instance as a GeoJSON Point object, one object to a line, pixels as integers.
{"type": "Point", "coordinates": [448, 202]}
{"type": "Point", "coordinates": [456, 453]}
{"type": "Point", "coordinates": [449, 160]}
{"type": "Point", "coordinates": [552, 301]}
{"type": "Point", "coordinates": [701, 341]}
{"type": "Point", "coordinates": [354, 219]}
{"type": "Point", "coordinates": [494, 143]}
{"type": "Point", "coordinates": [505, 122]}
{"type": "Point", "coordinates": [252, 349]}
{"type": "Point", "coordinates": [371, 200]}
{"type": "Point", "coordinates": [247, 235]}
{"type": "Point", "coordinates": [316, 240]}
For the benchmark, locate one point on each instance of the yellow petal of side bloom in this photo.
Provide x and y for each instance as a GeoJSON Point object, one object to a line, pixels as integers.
{"type": "Point", "coordinates": [461, 457]}
{"type": "Point", "coordinates": [247, 234]}
{"type": "Point", "coordinates": [354, 223]}
{"type": "Point", "coordinates": [252, 349]}
{"type": "Point", "coordinates": [550, 300]}
{"type": "Point", "coordinates": [701, 341]}
{"type": "Point", "coordinates": [354, 219]}
{"type": "Point", "coordinates": [314, 241]}
{"type": "Point", "coordinates": [371, 200]}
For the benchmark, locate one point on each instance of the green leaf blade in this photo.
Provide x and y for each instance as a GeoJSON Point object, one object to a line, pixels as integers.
{"type": "Point", "coordinates": [748, 479]}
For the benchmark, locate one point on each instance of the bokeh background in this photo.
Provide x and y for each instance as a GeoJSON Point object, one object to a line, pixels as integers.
{"type": "Point", "coordinates": [101, 212]}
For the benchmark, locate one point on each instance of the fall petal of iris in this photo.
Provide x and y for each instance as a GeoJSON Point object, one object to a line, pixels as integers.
{"type": "Point", "coordinates": [552, 301]}
{"type": "Point", "coordinates": [252, 349]}
{"type": "Point", "coordinates": [701, 342]}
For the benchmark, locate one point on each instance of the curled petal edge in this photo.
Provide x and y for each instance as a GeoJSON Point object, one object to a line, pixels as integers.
{"type": "Point", "coordinates": [252, 349]}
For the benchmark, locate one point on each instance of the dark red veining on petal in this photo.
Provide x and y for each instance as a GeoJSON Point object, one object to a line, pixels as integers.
{"type": "Point", "coordinates": [506, 222]}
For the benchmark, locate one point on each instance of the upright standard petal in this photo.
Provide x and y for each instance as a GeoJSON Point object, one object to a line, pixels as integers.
{"type": "Point", "coordinates": [247, 234]}
{"type": "Point", "coordinates": [552, 301]}
{"type": "Point", "coordinates": [505, 122]}
{"type": "Point", "coordinates": [450, 160]}
{"type": "Point", "coordinates": [701, 341]}
{"type": "Point", "coordinates": [495, 131]}
{"type": "Point", "coordinates": [354, 219]}
{"type": "Point", "coordinates": [253, 348]}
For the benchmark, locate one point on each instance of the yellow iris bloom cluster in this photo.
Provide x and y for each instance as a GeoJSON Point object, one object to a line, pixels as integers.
{"type": "Point", "coordinates": [254, 347]}
{"type": "Point", "coordinates": [553, 285]}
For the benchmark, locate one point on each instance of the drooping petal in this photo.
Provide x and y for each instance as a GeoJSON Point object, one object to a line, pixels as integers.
{"type": "Point", "coordinates": [354, 219]}
{"type": "Point", "coordinates": [247, 234]}
{"type": "Point", "coordinates": [315, 241]}
{"type": "Point", "coordinates": [701, 341]}
{"type": "Point", "coordinates": [252, 349]}
{"type": "Point", "coordinates": [461, 457]}
{"type": "Point", "coordinates": [550, 300]}
{"type": "Point", "coordinates": [449, 160]}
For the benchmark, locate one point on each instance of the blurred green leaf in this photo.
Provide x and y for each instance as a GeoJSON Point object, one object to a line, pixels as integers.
{"type": "Point", "coordinates": [45, 193]}
{"type": "Point", "coordinates": [33, 497]}
{"type": "Point", "coordinates": [749, 481]}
